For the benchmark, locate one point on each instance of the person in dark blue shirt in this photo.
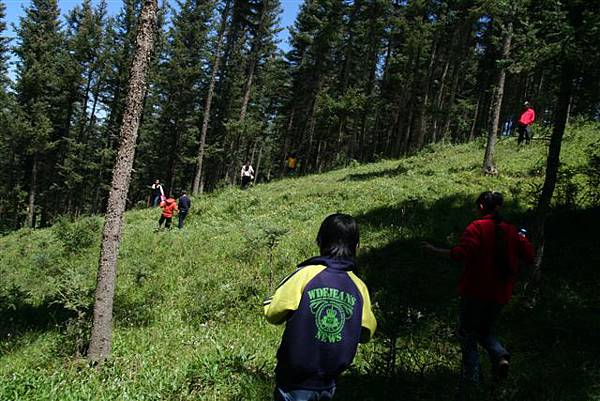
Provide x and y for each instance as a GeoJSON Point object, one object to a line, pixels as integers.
{"type": "Point", "coordinates": [184, 206]}
{"type": "Point", "coordinates": [326, 310]}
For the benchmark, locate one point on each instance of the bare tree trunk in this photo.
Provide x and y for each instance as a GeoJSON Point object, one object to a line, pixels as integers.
{"type": "Point", "coordinates": [174, 158]}
{"type": "Point", "coordinates": [100, 342]}
{"type": "Point", "coordinates": [420, 123]}
{"type": "Point", "coordinates": [286, 143]}
{"type": "Point", "coordinates": [254, 55]}
{"type": "Point", "coordinates": [311, 128]}
{"type": "Point", "coordinates": [474, 124]}
{"type": "Point", "coordinates": [246, 98]}
{"type": "Point", "coordinates": [488, 161]}
{"type": "Point", "coordinates": [32, 193]}
{"type": "Point", "coordinates": [552, 165]}
{"type": "Point", "coordinates": [260, 152]}
{"type": "Point", "coordinates": [439, 101]}
{"type": "Point", "coordinates": [209, 98]}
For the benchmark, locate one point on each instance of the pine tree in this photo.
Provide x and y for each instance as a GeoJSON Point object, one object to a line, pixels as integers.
{"type": "Point", "coordinates": [100, 342]}
{"type": "Point", "coordinates": [11, 166]}
{"type": "Point", "coordinates": [498, 93]}
{"type": "Point", "coordinates": [39, 51]}
{"type": "Point", "coordinates": [85, 26]}
{"type": "Point", "coordinates": [4, 56]}
{"type": "Point", "coordinates": [181, 82]}
{"type": "Point", "coordinates": [197, 185]}
{"type": "Point", "coordinates": [570, 42]}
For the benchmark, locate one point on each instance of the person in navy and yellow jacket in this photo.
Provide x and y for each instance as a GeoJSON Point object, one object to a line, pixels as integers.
{"type": "Point", "coordinates": [327, 311]}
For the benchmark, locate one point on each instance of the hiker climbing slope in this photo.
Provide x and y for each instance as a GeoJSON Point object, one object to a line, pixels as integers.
{"type": "Point", "coordinates": [247, 174]}
{"type": "Point", "coordinates": [169, 207]}
{"type": "Point", "coordinates": [158, 193]}
{"type": "Point", "coordinates": [184, 207]}
{"type": "Point", "coordinates": [526, 119]}
{"type": "Point", "coordinates": [490, 249]}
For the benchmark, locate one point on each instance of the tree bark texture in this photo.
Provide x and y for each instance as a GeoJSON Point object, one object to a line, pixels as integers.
{"type": "Point", "coordinates": [209, 97]}
{"type": "Point", "coordinates": [32, 191]}
{"type": "Point", "coordinates": [488, 161]}
{"type": "Point", "coordinates": [100, 342]}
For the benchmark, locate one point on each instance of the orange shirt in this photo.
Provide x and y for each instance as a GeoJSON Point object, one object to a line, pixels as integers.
{"type": "Point", "coordinates": [168, 206]}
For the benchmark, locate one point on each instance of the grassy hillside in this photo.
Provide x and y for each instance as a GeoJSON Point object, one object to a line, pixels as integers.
{"type": "Point", "coordinates": [188, 321]}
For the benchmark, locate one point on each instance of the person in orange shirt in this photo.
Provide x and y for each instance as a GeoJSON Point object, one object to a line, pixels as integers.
{"type": "Point", "coordinates": [524, 124]}
{"type": "Point", "coordinates": [169, 207]}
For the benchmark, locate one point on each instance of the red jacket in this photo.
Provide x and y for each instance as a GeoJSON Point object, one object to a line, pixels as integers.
{"type": "Point", "coordinates": [527, 117]}
{"type": "Point", "coordinates": [481, 279]}
{"type": "Point", "coordinates": [168, 206]}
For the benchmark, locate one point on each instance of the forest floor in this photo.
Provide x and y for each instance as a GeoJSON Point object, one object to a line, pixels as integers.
{"type": "Point", "coordinates": [188, 316]}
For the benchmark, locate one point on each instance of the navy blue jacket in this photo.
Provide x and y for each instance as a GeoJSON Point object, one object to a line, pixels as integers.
{"type": "Point", "coordinates": [327, 312]}
{"type": "Point", "coordinates": [184, 203]}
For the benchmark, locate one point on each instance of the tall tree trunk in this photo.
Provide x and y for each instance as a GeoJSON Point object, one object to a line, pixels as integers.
{"type": "Point", "coordinates": [260, 152]}
{"type": "Point", "coordinates": [420, 123]}
{"type": "Point", "coordinates": [286, 142]}
{"type": "Point", "coordinates": [312, 120]}
{"type": "Point", "coordinates": [32, 193]}
{"type": "Point", "coordinates": [474, 123]}
{"type": "Point", "coordinates": [174, 157]}
{"type": "Point", "coordinates": [345, 78]}
{"type": "Point", "coordinates": [439, 102]}
{"type": "Point", "coordinates": [101, 336]}
{"type": "Point", "coordinates": [552, 165]}
{"type": "Point", "coordinates": [254, 56]}
{"type": "Point", "coordinates": [488, 161]}
{"type": "Point", "coordinates": [209, 97]}
{"type": "Point", "coordinates": [445, 128]}
{"type": "Point", "coordinates": [248, 89]}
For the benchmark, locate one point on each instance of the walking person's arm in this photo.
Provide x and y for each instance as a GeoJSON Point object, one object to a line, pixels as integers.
{"type": "Point", "coordinates": [469, 242]}
{"type": "Point", "coordinates": [434, 250]}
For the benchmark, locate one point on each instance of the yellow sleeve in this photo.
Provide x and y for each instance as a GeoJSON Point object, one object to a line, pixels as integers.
{"type": "Point", "coordinates": [369, 323]}
{"type": "Point", "coordinates": [287, 296]}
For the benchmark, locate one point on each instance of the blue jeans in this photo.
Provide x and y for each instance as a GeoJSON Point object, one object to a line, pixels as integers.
{"type": "Point", "coordinates": [182, 214]}
{"type": "Point", "coordinates": [155, 201]}
{"type": "Point", "coordinates": [303, 395]}
{"type": "Point", "coordinates": [476, 321]}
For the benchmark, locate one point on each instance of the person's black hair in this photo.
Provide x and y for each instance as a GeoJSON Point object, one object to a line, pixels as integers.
{"type": "Point", "coordinates": [489, 202]}
{"type": "Point", "coordinates": [338, 236]}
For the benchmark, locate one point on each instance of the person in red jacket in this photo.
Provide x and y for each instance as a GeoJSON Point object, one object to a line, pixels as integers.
{"type": "Point", "coordinates": [490, 249]}
{"type": "Point", "coordinates": [169, 207]}
{"type": "Point", "coordinates": [524, 124]}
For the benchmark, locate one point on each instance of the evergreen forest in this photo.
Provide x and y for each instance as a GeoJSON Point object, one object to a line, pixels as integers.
{"type": "Point", "coordinates": [396, 112]}
{"type": "Point", "coordinates": [362, 81]}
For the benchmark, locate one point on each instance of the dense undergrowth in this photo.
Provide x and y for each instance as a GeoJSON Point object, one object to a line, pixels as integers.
{"type": "Point", "coordinates": [188, 322]}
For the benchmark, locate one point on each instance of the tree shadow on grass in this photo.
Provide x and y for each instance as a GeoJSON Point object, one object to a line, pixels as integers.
{"type": "Point", "coordinates": [390, 172]}
{"type": "Point", "coordinates": [435, 384]}
{"type": "Point", "coordinates": [19, 319]}
{"type": "Point", "coordinates": [21, 322]}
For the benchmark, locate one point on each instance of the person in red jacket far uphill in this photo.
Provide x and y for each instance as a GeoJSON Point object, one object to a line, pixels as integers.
{"type": "Point", "coordinates": [490, 249]}
{"type": "Point", "coordinates": [327, 312]}
{"type": "Point", "coordinates": [524, 124]}
{"type": "Point", "coordinates": [168, 206]}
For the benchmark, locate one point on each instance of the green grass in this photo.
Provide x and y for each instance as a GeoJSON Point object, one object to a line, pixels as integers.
{"type": "Point", "coordinates": [188, 318]}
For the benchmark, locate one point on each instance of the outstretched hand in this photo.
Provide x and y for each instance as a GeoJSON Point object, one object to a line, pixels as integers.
{"type": "Point", "coordinates": [427, 247]}
{"type": "Point", "coordinates": [434, 250]}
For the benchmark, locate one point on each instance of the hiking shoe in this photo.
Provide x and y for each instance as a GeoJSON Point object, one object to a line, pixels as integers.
{"type": "Point", "coordinates": [502, 372]}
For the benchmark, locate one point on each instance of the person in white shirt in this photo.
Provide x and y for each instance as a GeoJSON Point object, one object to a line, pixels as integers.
{"type": "Point", "coordinates": [158, 193]}
{"type": "Point", "coordinates": [247, 174]}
